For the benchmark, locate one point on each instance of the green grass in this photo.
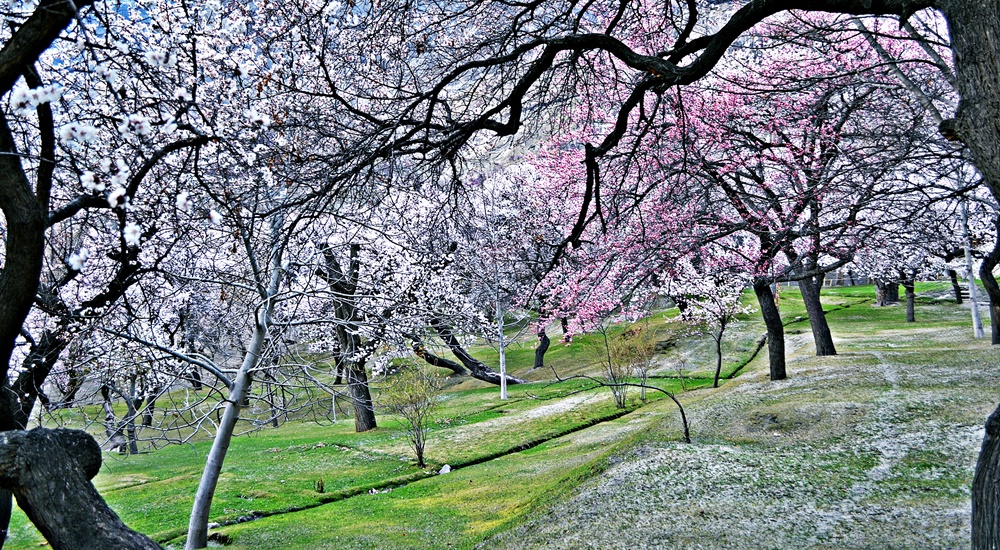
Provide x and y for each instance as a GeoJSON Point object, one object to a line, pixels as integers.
{"type": "Point", "coordinates": [517, 458]}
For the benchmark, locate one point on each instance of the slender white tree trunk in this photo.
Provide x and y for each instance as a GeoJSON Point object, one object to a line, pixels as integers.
{"type": "Point", "coordinates": [977, 322]}
{"type": "Point", "coordinates": [503, 348]}
{"type": "Point", "coordinates": [198, 525]}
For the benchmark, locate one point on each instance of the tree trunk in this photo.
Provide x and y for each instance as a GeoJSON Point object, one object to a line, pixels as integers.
{"type": "Point", "coordinates": [775, 331]}
{"type": "Point", "coordinates": [197, 536]}
{"type": "Point", "coordinates": [147, 413]}
{"type": "Point", "coordinates": [718, 359]}
{"type": "Point", "coordinates": [195, 379]}
{"type": "Point", "coordinates": [810, 288]}
{"type": "Point", "coordinates": [6, 508]}
{"type": "Point", "coordinates": [910, 300]}
{"type": "Point", "coordinates": [361, 398]}
{"type": "Point", "coordinates": [476, 367]}
{"type": "Point", "coordinates": [973, 30]}
{"type": "Point", "coordinates": [49, 472]}
{"type": "Point", "coordinates": [886, 292]}
{"type": "Point", "coordinates": [955, 286]}
{"type": "Point", "coordinates": [112, 428]}
{"type": "Point", "coordinates": [564, 325]}
{"type": "Point", "coordinates": [986, 489]}
{"type": "Point", "coordinates": [433, 360]}
{"type": "Point", "coordinates": [543, 346]}
{"type": "Point", "coordinates": [991, 286]}
{"type": "Point", "coordinates": [892, 292]}
{"type": "Point", "coordinates": [198, 524]}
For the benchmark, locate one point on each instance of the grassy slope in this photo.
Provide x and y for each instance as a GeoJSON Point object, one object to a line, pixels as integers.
{"type": "Point", "coordinates": [806, 429]}
{"type": "Point", "coordinates": [871, 449]}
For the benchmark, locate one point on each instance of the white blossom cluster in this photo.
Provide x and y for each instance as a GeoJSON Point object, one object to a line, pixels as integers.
{"type": "Point", "coordinates": [24, 100]}
{"type": "Point", "coordinates": [78, 259]}
{"type": "Point", "coordinates": [91, 183]}
{"type": "Point", "coordinates": [77, 132]}
{"type": "Point", "coordinates": [161, 59]}
{"type": "Point", "coordinates": [136, 124]}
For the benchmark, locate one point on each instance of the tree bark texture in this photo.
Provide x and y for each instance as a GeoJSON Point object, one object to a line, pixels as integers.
{"type": "Point", "coordinates": [6, 509]}
{"type": "Point", "coordinates": [986, 489]}
{"type": "Point", "coordinates": [361, 398]}
{"type": "Point", "coordinates": [775, 330]}
{"type": "Point", "coordinates": [49, 472]}
{"type": "Point", "coordinates": [351, 354]}
{"type": "Point", "coordinates": [718, 358]}
{"type": "Point", "coordinates": [810, 288]}
{"type": "Point", "coordinates": [886, 292]}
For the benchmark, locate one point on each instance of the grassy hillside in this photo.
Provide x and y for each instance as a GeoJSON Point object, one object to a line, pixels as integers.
{"type": "Point", "coordinates": [840, 455]}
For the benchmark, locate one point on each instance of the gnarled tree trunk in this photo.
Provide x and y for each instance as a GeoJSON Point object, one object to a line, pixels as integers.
{"type": "Point", "coordinates": [49, 472]}
{"type": "Point", "coordinates": [433, 360]}
{"type": "Point", "coordinates": [973, 28]}
{"type": "Point", "coordinates": [986, 489]}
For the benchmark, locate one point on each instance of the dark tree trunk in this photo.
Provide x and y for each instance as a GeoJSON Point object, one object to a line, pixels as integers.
{"type": "Point", "coordinates": [543, 346]}
{"type": "Point", "coordinates": [49, 472]}
{"type": "Point", "coordinates": [955, 286]}
{"type": "Point", "coordinates": [886, 292]}
{"type": "Point", "coordinates": [911, 298]}
{"type": "Point", "coordinates": [986, 489]}
{"type": "Point", "coordinates": [361, 398]}
{"type": "Point", "coordinates": [351, 353]}
{"type": "Point", "coordinates": [195, 379]}
{"type": "Point", "coordinates": [147, 413]}
{"type": "Point", "coordinates": [564, 325]}
{"type": "Point", "coordinates": [718, 359]}
{"type": "Point", "coordinates": [477, 369]}
{"type": "Point", "coordinates": [6, 508]}
{"type": "Point", "coordinates": [433, 360]}
{"type": "Point", "coordinates": [810, 288]}
{"type": "Point", "coordinates": [991, 286]}
{"type": "Point", "coordinates": [892, 293]}
{"type": "Point", "coordinates": [133, 443]}
{"type": "Point", "coordinates": [973, 28]}
{"type": "Point", "coordinates": [775, 331]}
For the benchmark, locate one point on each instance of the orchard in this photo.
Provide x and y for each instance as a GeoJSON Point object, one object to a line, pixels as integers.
{"type": "Point", "coordinates": [221, 216]}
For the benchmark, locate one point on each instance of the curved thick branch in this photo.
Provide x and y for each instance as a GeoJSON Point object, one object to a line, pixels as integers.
{"type": "Point", "coordinates": [49, 472]}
